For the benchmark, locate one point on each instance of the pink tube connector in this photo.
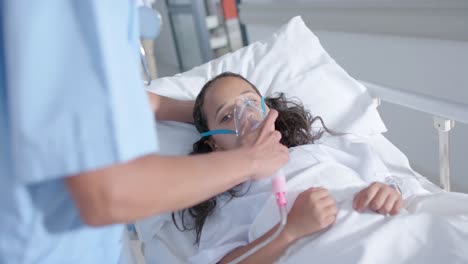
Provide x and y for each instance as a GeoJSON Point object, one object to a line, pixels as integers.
{"type": "Point", "coordinates": [279, 188]}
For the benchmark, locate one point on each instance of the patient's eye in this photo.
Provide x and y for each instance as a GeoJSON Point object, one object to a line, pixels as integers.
{"type": "Point", "coordinates": [254, 101]}
{"type": "Point", "coordinates": [226, 118]}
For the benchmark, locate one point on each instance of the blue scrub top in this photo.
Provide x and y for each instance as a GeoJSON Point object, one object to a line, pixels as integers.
{"type": "Point", "coordinates": [71, 100]}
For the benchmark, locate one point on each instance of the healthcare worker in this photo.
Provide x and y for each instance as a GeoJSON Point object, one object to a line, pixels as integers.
{"type": "Point", "coordinates": [77, 138]}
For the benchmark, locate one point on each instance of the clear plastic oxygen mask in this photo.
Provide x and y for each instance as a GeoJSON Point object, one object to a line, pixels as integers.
{"type": "Point", "coordinates": [247, 115]}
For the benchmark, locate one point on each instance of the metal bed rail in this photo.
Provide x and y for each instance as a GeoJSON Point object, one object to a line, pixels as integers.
{"type": "Point", "coordinates": [444, 112]}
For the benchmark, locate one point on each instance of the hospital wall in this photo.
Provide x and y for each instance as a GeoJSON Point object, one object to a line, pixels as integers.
{"type": "Point", "coordinates": [432, 67]}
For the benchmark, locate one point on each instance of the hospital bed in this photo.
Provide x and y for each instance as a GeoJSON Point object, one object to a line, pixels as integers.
{"type": "Point", "coordinates": [281, 64]}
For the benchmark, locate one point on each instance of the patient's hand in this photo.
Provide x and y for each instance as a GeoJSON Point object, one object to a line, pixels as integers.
{"type": "Point", "coordinates": [380, 197]}
{"type": "Point", "coordinates": [313, 211]}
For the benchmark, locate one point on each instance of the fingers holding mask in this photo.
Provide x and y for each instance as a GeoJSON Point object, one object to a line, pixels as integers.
{"type": "Point", "coordinates": [267, 149]}
{"type": "Point", "coordinates": [266, 131]}
{"type": "Point", "coordinates": [269, 123]}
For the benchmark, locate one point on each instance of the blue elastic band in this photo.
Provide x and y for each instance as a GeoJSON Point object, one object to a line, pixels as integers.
{"type": "Point", "coordinates": [216, 132]}
{"type": "Point", "coordinates": [263, 107]}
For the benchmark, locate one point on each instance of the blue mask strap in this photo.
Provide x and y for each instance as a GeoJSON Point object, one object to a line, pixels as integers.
{"type": "Point", "coordinates": [263, 107]}
{"type": "Point", "coordinates": [217, 132]}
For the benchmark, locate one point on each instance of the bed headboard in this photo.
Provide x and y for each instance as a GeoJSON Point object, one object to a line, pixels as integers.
{"type": "Point", "coordinates": [446, 19]}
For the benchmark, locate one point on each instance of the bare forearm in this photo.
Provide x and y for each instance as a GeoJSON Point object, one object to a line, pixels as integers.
{"type": "Point", "coordinates": [168, 109]}
{"type": "Point", "coordinates": [155, 184]}
{"type": "Point", "coordinates": [268, 254]}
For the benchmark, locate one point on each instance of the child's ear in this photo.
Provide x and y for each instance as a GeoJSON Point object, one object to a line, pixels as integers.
{"type": "Point", "coordinates": [212, 144]}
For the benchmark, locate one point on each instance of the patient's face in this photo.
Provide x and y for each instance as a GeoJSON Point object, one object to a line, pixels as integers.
{"type": "Point", "coordinates": [218, 108]}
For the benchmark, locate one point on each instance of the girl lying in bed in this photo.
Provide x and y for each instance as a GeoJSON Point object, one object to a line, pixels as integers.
{"type": "Point", "coordinates": [314, 209]}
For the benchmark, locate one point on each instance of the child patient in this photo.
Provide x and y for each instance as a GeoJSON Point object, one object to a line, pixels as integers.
{"type": "Point", "coordinates": [314, 209]}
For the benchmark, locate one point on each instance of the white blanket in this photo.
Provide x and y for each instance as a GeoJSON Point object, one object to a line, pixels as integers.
{"type": "Point", "coordinates": [433, 228]}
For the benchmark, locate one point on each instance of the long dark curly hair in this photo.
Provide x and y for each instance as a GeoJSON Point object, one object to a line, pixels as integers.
{"type": "Point", "coordinates": [294, 123]}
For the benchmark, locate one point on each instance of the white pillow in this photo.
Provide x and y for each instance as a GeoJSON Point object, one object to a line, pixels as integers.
{"type": "Point", "coordinates": [291, 61]}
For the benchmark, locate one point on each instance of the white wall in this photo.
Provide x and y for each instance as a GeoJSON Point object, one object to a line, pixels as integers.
{"type": "Point", "coordinates": [434, 67]}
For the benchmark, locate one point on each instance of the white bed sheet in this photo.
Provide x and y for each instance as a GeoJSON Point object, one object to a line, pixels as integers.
{"type": "Point", "coordinates": [424, 232]}
{"type": "Point", "coordinates": [163, 243]}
